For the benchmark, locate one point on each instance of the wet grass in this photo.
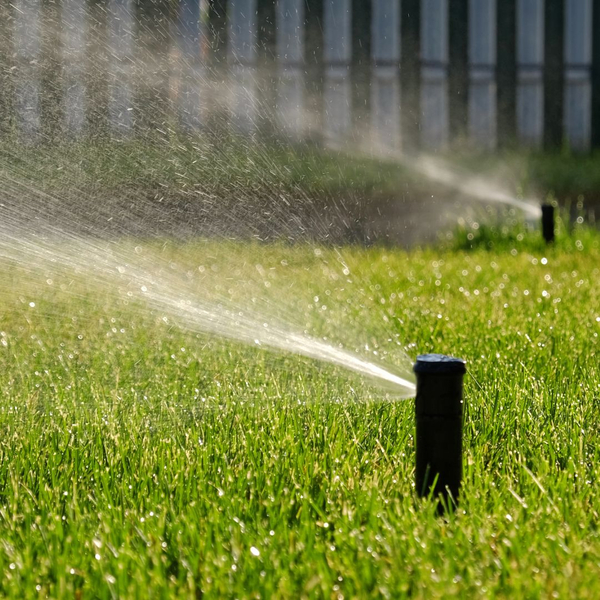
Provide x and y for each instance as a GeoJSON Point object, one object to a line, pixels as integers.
{"type": "Point", "coordinates": [505, 232]}
{"type": "Point", "coordinates": [219, 164]}
{"type": "Point", "coordinates": [163, 162]}
{"type": "Point", "coordinates": [137, 460]}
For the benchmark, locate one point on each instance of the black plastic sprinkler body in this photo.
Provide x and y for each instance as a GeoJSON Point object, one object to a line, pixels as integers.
{"type": "Point", "coordinates": [439, 415]}
{"type": "Point", "coordinates": [548, 222]}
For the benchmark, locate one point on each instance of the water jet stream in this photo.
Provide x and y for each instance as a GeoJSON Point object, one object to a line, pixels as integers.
{"type": "Point", "coordinates": [475, 187]}
{"type": "Point", "coordinates": [150, 280]}
{"type": "Point", "coordinates": [455, 178]}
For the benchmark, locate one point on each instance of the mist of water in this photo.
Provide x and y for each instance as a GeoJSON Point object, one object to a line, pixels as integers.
{"type": "Point", "coordinates": [63, 208]}
{"type": "Point", "coordinates": [37, 240]}
{"type": "Point", "coordinates": [472, 186]}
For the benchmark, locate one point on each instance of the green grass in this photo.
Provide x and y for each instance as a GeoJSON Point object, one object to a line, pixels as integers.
{"type": "Point", "coordinates": [138, 460]}
{"type": "Point", "coordinates": [211, 164]}
{"type": "Point", "coordinates": [216, 164]}
{"type": "Point", "coordinates": [570, 177]}
{"type": "Point", "coordinates": [506, 233]}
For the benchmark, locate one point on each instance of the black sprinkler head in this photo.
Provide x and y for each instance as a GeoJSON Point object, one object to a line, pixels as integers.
{"type": "Point", "coordinates": [548, 222]}
{"type": "Point", "coordinates": [439, 415]}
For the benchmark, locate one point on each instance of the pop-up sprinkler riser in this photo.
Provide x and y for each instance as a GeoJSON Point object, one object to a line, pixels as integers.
{"type": "Point", "coordinates": [548, 222]}
{"type": "Point", "coordinates": [439, 416]}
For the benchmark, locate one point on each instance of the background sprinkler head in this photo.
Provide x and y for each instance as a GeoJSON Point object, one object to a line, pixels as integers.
{"type": "Point", "coordinates": [439, 411]}
{"type": "Point", "coordinates": [548, 222]}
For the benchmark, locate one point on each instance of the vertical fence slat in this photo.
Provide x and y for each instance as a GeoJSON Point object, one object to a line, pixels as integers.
{"type": "Point", "coordinates": [192, 73]}
{"type": "Point", "coordinates": [337, 55]}
{"type": "Point", "coordinates": [410, 69]}
{"type": "Point", "coordinates": [578, 62]}
{"type": "Point", "coordinates": [121, 37]}
{"type": "Point", "coordinates": [27, 48]}
{"type": "Point", "coordinates": [241, 19]}
{"type": "Point", "coordinates": [434, 73]}
{"type": "Point", "coordinates": [385, 85]}
{"type": "Point", "coordinates": [506, 72]}
{"type": "Point", "coordinates": [482, 73]}
{"type": "Point", "coordinates": [554, 25]}
{"type": "Point", "coordinates": [75, 32]}
{"type": "Point", "coordinates": [458, 70]}
{"type": "Point", "coordinates": [530, 75]}
{"type": "Point", "coordinates": [290, 57]}
{"type": "Point", "coordinates": [290, 32]}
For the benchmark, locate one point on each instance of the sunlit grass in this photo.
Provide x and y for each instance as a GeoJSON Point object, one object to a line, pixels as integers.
{"type": "Point", "coordinates": [139, 460]}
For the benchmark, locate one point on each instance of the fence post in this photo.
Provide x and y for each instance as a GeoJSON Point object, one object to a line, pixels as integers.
{"type": "Point", "coordinates": [482, 73]}
{"type": "Point", "coordinates": [458, 70]}
{"type": "Point", "coordinates": [410, 67]}
{"type": "Point", "coordinates": [74, 23]}
{"type": "Point", "coordinates": [189, 34]}
{"type": "Point", "coordinates": [385, 85]}
{"type": "Point", "coordinates": [434, 73]}
{"type": "Point", "coordinates": [241, 20]}
{"type": "Point", "coordinates": [290, 57]}
{"type": "Point", "coordinates": [530, 71]}
{"type": "Point", "coordinates": [506, 72]}
{"type": "Point", "coordinates": [121, 28]}
{"type": "Point", "coordinates": [27, 49]}
{"type": "Point", "coordinates": [337, 55]}
{"type": "Point", "coordinates": [578, 63]}
{"type": "Point", "coordinates": [554, 29]}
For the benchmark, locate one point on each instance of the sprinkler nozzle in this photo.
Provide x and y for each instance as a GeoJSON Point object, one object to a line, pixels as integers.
{"type": "Point", "coordinates": [548, 222]}
{"type": "Point", "coordinates": [439, 414]}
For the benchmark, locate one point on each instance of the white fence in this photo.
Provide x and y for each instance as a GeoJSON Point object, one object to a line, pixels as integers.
{"type": "Point", "coordinates": [192, 67]}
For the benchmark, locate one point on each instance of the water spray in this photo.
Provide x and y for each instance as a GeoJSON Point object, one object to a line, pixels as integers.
{"type": "Point", "coordinates": [438, 410]}
{"type": "Point", "coordinates": [548, 222]}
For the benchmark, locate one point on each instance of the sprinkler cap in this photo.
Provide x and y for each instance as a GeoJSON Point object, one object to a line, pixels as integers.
{"type": "Point", "coordinates": [439, 364]}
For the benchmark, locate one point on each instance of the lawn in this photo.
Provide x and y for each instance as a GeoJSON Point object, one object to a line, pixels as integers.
{"type": "Point", "coordinates": [141, 457]}
{"type": "Point", "coordinates": [222, 163]}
